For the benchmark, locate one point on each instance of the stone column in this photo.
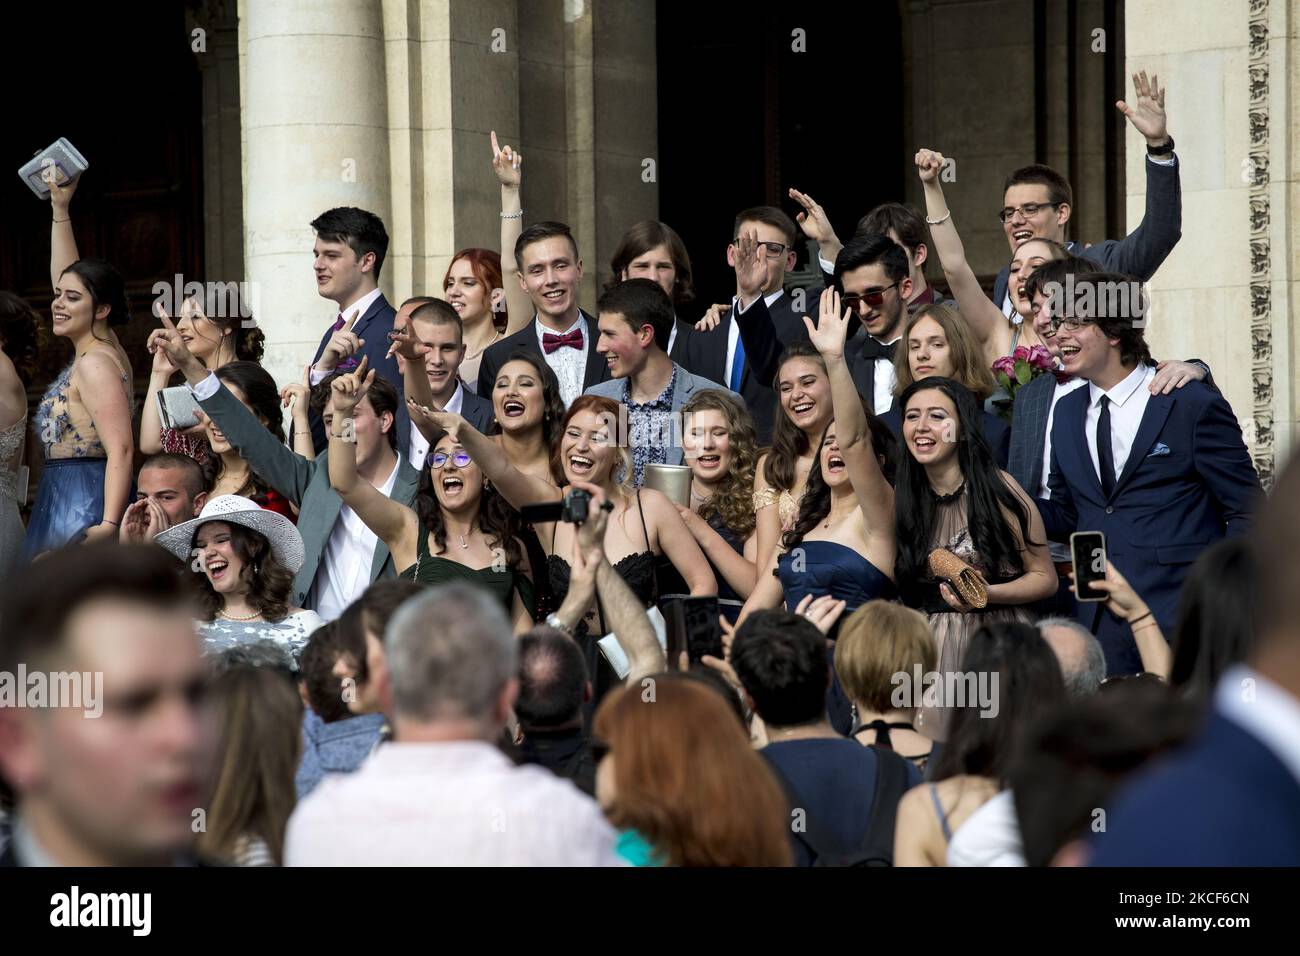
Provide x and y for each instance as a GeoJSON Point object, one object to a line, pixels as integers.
{"type": "Point", "coordinates": [1229, 291]}
{"type": "Point", "coordinates": [315, 121]}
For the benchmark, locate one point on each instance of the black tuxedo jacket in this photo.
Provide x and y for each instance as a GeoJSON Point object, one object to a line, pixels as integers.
{"type": "Point", "coordinates": [476, 410]}
{"type": "Point", "coordinates": [597, 370]}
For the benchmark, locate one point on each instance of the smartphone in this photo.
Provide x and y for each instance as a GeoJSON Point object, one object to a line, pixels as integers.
{"type": "Point", "coordinates": [177, 408]}
{"type": "Point", "coordinates": [1088, 553]}
{"type": "Point", "coordinates": [693, 627]}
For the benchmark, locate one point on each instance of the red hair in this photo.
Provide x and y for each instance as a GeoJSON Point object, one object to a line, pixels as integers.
{"type": "Point", "coordinates": [687, 778]}
{"type": "Point", "coordinates": [607, 409]}
{"type": "Point", "coordinates": [486, 268]}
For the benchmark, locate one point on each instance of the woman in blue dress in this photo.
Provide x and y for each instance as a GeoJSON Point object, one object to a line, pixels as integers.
{"type": "Point", "coordinates": [84, 420]}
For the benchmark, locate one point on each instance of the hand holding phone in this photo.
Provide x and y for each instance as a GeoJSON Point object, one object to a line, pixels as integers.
{"type": "Point", "coordinates": [1088, 554]}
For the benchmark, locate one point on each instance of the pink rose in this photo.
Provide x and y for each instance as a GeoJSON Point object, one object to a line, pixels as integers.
{"type": "Point", "coordinates": [1021, 352]}
{"type": "Point", "coordinates": [1040, 358]}
{"type": "Point", "coordinates": [1007, 365]}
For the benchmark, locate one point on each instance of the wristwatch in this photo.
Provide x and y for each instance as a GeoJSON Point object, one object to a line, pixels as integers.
{"type": "Point", "coordinates": [553, 620]}
{"type": "Point", "coordinates": [1167, 147]}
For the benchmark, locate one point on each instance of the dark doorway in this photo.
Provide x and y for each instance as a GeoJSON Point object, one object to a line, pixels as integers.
{"type": "Point", "coordinates": [743, 117]}
{"type": "Point", "coordinates": [121, 83]}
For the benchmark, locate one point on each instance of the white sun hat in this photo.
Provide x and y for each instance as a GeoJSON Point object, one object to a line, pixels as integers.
{"type": "Point", "coordinates": [286, 541]}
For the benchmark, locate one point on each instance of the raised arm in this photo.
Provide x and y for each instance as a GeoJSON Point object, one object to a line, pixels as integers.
{"type": "Point", "coordinates": [985, 318]}
{"type": "Point", "coordinates": [519, 489]}
{"type": "Point", "coordinates": [852, 432]}
{"type": "Point", "coordinates": [393, 523]}
{"type": "Point", "coordinates": [507, 164]}
{"type": "Point", "coordinates": [816, 226]}
{"type": "Point", "coordinates": [1142, 251]}
{"type": "Point", "coordinates": [296, 397]}
{"type": "Point", "coordinates": [767, 513]}
{"type": "Point", "coordinates": [102, 392]}
{"type": "Point", "coordinates": [410, 353]}
{"type": "Point", "coordinates": [63, 244]}
{"type": "Point", "coordinates": [284, 471]}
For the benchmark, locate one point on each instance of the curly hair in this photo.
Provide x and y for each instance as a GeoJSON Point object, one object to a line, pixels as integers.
{"type": "Point", "coordinates": [20, 328]}
{"type": "Point", "coordinates": [269, 582]}
{"type": "Point", "coordinates": [788, 440]}
{"type": "Point", "coordinates": [733, 498]}
{"type": "Point", "coordinates": [499, 522]}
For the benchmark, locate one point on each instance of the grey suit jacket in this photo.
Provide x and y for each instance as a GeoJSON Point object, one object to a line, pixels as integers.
{"type": "Point", "coordinates": [687, 385]}
{"type": "Point", "coordinates": [305, 483]}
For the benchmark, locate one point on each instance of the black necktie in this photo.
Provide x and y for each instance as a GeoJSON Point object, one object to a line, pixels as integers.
{"type": "Point", "coordinates": [1105, 460]}
{"type": "Point", "coordinates": [871, 349]}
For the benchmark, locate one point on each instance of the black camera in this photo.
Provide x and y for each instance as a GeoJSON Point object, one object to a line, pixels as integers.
{"type": "Point", "coordinates": [574, 508]}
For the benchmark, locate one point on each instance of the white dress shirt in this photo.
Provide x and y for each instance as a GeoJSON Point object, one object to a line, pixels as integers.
{"type": "Point", "coordinates": [344, 571]}
{"type": "Point", "coordinates": [360, 307]}
{"type": "Point", "coordinates": [1266, 712]}
{"type": "Point", "coordinates": [884, 378]}
{"type": "Point", "coordinates": [1128, 400]}
{"type": "Point", "coordinates": [569, 365]}
{"type": "Point", "coordinates": [419, 445]}
{"type": "Point", "coordinates": [460, 803]}
{"type": "Point", "coordinates": [733, 331]}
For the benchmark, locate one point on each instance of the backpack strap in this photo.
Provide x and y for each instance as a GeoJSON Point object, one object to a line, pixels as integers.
{"type": "Point", "coordinates": [891, 784]}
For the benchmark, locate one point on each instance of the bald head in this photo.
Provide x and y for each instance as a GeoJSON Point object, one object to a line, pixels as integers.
{"type": "Point", "coordinates": [552, 679]}
{"type": "Point", "coordinates": [1083, 665]}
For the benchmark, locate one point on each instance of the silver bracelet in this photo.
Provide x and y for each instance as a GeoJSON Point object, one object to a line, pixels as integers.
{"type": "Point", "coordinates": [939, 222]}
{"type": "Point", "coordinates": [513, 215]}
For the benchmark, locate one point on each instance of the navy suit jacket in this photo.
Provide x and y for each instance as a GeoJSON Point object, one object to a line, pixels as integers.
{"type": "Point", "coordinates": [1187, 483]}
{"type": "Point", "coordinates": [1141, 252]}
{"type": "Point", "coordinates": [374, 327]}
{"type": "Point", "coordinates": [495, 356]}
{"type": "Point", "coordinates": [1223, 800]}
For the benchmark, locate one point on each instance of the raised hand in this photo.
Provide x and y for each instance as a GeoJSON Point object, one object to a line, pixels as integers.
{"type": "Point", "coordinates": [832, 327]}
{"type": "Point", "coordinates": [342, 344]}
{"type": "Point", "coordinates": [170, 342]}
{"type": "Point", "coordinates": [296, 395]}
{"type": "Point", "coordinates": [60, 196]}
{"type": "Point", "coordinates": [143, 519]}
{"type": "Point", "coordinates": [1121, 599]}
{"type": "Point", "coordinates": [448, 422]}
{"type": "Point", "coordinates": [350, 388]}
{"type": "Point", "coordinates": [813, 219]}
{"type": "Point", "coordinates": [1148, 116]}
{"type": "Point", "coordinates": [506, 163]}
{"type": "Point", "coordinates": [405, 344]}
{"type": "Point", "coordinates": [712, 318]}
{"type": "Point", "coordinates": [751, 265]}
{"type": "Point", "coordinates": [928, 164]}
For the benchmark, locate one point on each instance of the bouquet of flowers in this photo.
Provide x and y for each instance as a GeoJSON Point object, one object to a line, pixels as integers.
{"type": "Point", "coordinates": [1017, 370]}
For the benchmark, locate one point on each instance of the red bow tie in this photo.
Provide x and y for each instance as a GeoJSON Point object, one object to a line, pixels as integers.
{"type": "Point", "coordinates": [338, 323]}
{"type": "Point", "coordinates": [551, 341]}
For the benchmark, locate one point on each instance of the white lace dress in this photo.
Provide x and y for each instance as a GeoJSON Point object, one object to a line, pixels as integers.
{"type": "Point", "coordinates": [11, 525]}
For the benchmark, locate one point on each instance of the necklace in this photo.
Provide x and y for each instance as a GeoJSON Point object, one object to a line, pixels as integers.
{"type": "Point", "coordinates": [698, 497]}
{"type": "Point", "coordinates": [463, 542]}
{"type": "Point", "coordinates": [948, 498]}
{"type": "Point", "coordinates": [231, 617]}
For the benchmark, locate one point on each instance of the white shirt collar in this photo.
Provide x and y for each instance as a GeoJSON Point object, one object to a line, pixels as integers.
{"type": "Point", "coordinates": [363, 304]}
{"type": "Point", "coordinates": [387, 488]}
{"type": "Point", "coordinates": [457, 399]}
{"type": "Point", "coordinates": [1123, 390]}
{"type": "Point", "coordinates": [1268, 712]}
{"type": "Point", "coordinates": [581, 323]}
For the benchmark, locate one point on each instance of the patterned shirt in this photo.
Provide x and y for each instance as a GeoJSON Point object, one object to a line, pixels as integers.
{"type": "Point", "coordinates": [650, 427]}
{"type": "Point", "coordinates": [568, 364]}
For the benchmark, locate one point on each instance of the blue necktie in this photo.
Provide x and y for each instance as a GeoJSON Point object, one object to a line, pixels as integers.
{"type": "Point", "coordinates": [738, 364]}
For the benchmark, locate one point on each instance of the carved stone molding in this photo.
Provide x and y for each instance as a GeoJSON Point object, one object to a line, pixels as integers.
{"type": "Point", "coordinates": [1261, 318]}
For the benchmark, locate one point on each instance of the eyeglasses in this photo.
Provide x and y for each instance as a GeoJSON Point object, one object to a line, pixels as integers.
{"type": "Point", "coordinates": [1070, 325]}
{"type": "Point", "coordinates": [773, 250]}
{"type": "Point", "coordinates": [460, 459]}
{"type": "Point", "coordinates": [874, 298]}
{"type": "Point", "coordinates": [1028, 210]}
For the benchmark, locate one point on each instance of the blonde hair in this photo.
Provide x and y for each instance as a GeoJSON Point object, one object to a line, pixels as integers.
{"type": "Point", "coordinates": [881, 639]}
{"type": "Point", "coordinates": [968, 366]}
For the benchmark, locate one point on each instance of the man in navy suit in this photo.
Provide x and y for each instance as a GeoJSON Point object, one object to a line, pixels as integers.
{"type": "Point", "coordinates": [1031, 440]}
{"type": "Point", "coordinates": [432, 349]}
{"type": "Point", "coordinates": [1232, 796]}
{"type": "Point", "coordinates": [720, 354]}
{"type": "Point", "coordinates": [550, 271]}
{"type": "Point", "coordinates": [350, 247]}
{"type": "Point", "coordinates": [1037, 202]}
{"type": "Point", "coordinates": [1162, 476]}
